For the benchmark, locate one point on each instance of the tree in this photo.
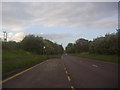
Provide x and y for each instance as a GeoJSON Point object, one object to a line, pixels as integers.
{"type": "Point", "coordinates": [10, 45]}
{"type": "Point", "coordinates": [82, 45]}
{"type": "Point", "coordinates": [33, 44]}
{"type": "Point", "coordinates": [70, 48]}
{"type": "Point", "coordinates": [105, 45]}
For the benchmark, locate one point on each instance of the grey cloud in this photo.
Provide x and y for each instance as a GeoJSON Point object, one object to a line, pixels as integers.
{"type": "Point", "coordinates": [52, 36]}
{"type": "Point", "coordinates": [14, 16]}
{"type": "Point", "coordinates": [17, 16]}
{"type": "Point", "coordinates": [55, 36]}
{"type": "Point", "coordinates": [14, 36]}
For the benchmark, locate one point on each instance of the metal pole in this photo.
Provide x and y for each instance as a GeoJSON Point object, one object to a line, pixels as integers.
{"type": "Point", "coordinates": [5, 35]}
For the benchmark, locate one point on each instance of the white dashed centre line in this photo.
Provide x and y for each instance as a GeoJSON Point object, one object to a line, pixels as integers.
{"type": "Point", "coordinates": [94, 65]}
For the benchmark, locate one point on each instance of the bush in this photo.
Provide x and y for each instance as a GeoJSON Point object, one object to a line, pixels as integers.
{"type": "Point", "coordinates": [101, 45]}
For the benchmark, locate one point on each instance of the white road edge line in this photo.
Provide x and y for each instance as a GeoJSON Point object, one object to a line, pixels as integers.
{"type": "Point", "coordinates": [94, 65]}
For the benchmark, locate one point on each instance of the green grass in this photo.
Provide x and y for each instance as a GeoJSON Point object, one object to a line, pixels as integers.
{"type": "Point", "coordinates": [15, 61]}
{"type": "Point", "coordinates": [108, 58]}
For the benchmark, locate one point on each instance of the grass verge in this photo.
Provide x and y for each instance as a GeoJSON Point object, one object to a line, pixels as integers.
{"type": "Point", "coordinates": [107, 58]}
{"type": "Point", "coordinates": [15, 61]}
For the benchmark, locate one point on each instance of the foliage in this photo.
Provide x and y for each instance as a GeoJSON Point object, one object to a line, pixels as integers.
{"type": "Point", "coordinates": [34, 44]}
{"type": "Point", "coordinates": [16, 60]}
{"type": "Point", "coordinates": [82, 45]}
{"type": "Point", "coordinates": [101, 57]}
{"type": "Point", "coordinates": [101, 45]}
{"type": "Point", "coordinates": [31, 50]}
{"type": "Point", "coordinates": [70, 48]}
{"type": "Point", "coordinates": [11, 45]}
{"type": "Point", "coordinates": [52, 48]}
{"type": "Point", "coordinates": [105, 45]}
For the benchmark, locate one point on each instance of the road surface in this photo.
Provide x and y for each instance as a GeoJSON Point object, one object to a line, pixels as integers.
{"type": "Point", "coordinates": [68, 72]}
{"type": "Point", "coordinates": [87, 73]}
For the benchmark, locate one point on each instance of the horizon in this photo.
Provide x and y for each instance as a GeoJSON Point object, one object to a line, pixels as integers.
{"type": "Point", "coordinates": [62, 23]}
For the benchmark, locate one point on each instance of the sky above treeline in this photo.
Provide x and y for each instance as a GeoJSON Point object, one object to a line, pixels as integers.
{"type": "Point", "coordinates": [60, 22]}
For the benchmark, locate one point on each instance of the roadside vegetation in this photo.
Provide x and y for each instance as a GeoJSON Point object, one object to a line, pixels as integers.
{"type": "Point", "coordinates": [107, 58]}
{"type": "Point", "coordinates": [32, 50]}
{"type": "Point", "coordinates": [101, 48]}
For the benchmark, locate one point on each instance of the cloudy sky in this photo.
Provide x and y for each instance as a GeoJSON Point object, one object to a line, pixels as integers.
{"type": "Point", "coordinates": [59, 21]}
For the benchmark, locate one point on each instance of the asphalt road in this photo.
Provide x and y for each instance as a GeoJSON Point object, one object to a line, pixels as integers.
{"type": "Point", "coordinates": [88, 73]}
{"type": "Point", "coordinates": [84, 73]}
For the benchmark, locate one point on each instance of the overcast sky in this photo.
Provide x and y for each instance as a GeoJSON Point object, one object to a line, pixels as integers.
{"type": "Point", "coordinates": [58, 21]}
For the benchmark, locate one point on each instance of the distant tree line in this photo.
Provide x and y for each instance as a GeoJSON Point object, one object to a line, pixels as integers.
{"type": "Point", "coordinates": [109, 44]}
{"type": "Point", "coordinates": [34, 44]}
